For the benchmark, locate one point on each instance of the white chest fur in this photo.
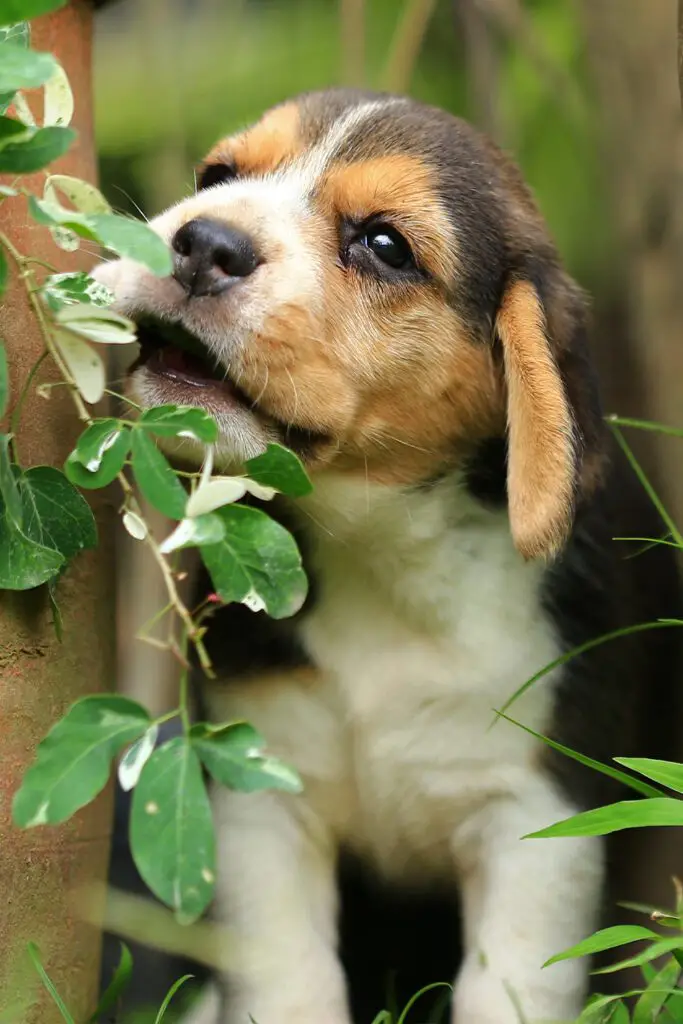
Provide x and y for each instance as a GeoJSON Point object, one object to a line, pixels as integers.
{"type": "Point", "coordinates": [426, 620]}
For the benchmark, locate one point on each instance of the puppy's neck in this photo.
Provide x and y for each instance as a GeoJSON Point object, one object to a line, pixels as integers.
{"type": "Point", "coordinates": [409, 545]}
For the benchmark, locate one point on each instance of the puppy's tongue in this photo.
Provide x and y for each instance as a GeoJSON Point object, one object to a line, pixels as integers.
{"type": "Point", "coordinates": [174, 362]}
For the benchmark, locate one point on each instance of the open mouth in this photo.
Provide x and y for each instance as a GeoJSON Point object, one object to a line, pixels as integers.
{"type": "Point", "coordinates": [170, 351]}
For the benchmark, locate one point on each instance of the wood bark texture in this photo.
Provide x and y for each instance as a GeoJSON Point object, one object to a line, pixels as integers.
{"type": "Point", "coordinates": [42, 870]}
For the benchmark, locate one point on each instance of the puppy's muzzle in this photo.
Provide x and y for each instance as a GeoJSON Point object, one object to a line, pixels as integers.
{"type": "Point", "coordinates": [211, 256]}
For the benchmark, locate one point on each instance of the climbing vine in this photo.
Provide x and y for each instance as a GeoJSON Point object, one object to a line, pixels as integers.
{"type": "Point", "coordinates": [46, 522]}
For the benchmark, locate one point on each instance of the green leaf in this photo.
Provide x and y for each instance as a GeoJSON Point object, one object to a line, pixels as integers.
{"type": "Point", "coordinates": [613, 773]}
{"type": "Point", "coordinates": [34, 954]}
{"type": "Point", "coordinates": [16, 31]}
{"type": "Point", "coordinates": [653, 999]}
{"type": "Point", "coordinates": [155, 478]}
{"type": "Point", "coordinates": [180, 421]}
{"type": "Point", "coordinates": [84, 364]}
{"type": "Point", "coordinates": [55, 514]}
{"type": "Point", "coordinates": [257, 563]}
{"type": "Point", "coordinates": [121, 235]}
{"type": "Point", "coordinates": [619, 1014]}
{"type": "Point", "coordinates": [9, 490]}
{"type": "Point", "coordinates": [36, 151]}
{"type": "Point", "coordinates": [97, 324]}
{"type": "Point", "coordinates": [96, 440]}
{"type": "Point", "coordinates": [136, 757]}
{"type": "Point", "coordinates": [281, 469]}
{"type": "Point", "coordinates": [192, 533]}
{"type": "Point", "coordinates": [171, 830]}
{"type": "Point", "coordinates": [667, 773]}
{"type": "Point", "coordinates": [100, 454]}
{"type": "Point", "coordinates": [23, 563]}
{"type": "Point", "coordinates": [12, 11]}
{"type": "Point", "coordinates": [655, 950]}
{"type": "Point", "coordinates": [598, 1008]}
{"type": "Point", "coordinates": [626, 814]}
{"type": "Point", "coordinates": [84, 196]}
{"type": "Point", "coordinates": [4, 380]}
{"type": "Point", "coordinates": [10, 130]}
{"type": "Point", "coordinates": [23, 69]}
{"type": "Point", "coordinates": [607, 938]}
{"type": "Point", "coordinates": [66, 289]}
{"type": "Point", "coordinates": [234, 755]}
{"type": "Point", "coordinates": [73, 762]}
{"type": "Point", "coordinates": [58, 99]}
{"type": "Point", "coordinates": [116, 987]}
{"type": "Point", "coordinates": [51, 214]}
{"type": "Point", "coordinates": [44, 522]}
{"type": "Point", "coordinates": [169, 996]}
{"type": "Point", "coordinates": [132, 238]}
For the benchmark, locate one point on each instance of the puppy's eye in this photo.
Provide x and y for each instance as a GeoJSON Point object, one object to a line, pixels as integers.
{"type": "Point", "coordinates": [389, 246]}
{"type": "Point", "coordinates": [216, 174]}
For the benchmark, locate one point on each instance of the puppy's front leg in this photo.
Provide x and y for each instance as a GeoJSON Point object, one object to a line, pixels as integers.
{"type": "Point", "coordinates": [524, 900]}
{"type": "Point", "coordinates": [277, 898]}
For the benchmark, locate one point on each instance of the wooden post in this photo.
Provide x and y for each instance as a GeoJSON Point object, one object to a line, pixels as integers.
{"type": "Point", "coordinates": [41, 869]}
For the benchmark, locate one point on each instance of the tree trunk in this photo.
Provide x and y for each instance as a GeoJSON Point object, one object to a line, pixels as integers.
{"type": "Point", "coordinates": [41, 869]}
{"type": "Point", "coordinates": [632, 56]}
{"type": "Point", "coordinates": [631, 47]}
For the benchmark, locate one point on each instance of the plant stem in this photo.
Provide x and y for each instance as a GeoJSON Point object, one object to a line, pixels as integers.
{"type": "Point", "coordinates": [192, 631]}
{"type": "Point", "coordinates": [16, 412]}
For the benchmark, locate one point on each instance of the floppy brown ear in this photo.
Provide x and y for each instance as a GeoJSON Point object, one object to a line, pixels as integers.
{"type": "Point", "coordinates": [542, 439]}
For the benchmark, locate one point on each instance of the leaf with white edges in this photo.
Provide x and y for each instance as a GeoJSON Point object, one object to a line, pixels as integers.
{"type": "Point", "coordinates": [84, 365]}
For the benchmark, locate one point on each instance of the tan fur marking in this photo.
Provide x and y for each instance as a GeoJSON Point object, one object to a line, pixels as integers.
{"type": "Point", "coordinates": [402, 188]}
{"type": "Point", "coordinates": [274, 139]}
{"type": "Point", "coordinates": [541, 444]}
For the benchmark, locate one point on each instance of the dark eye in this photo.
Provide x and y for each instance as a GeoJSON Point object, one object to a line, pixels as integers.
{"type": "Point", "coordinates": [389, 246]}
{"type": "Point", "coordinates": [216, 174]}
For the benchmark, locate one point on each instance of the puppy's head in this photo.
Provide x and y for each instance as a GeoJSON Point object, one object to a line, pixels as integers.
{"type": "Point", "coordinates": [367, 280]}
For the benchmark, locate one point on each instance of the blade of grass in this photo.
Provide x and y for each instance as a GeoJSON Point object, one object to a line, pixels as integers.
{"type": "Point", "coordinates": [34, 954]}
{"type": "Point", "coordinates": [658, 428]}
{"type": "Point", "coordinates": [628, 780]}
{"type": "Point", "coordinates": [647, 486]}
{"type": "Point", "coordinates": [169, 996]}
{"type": "Point", "coordinates": [581, 649]}
{"type": "Point", "coordinates": [423, 991]}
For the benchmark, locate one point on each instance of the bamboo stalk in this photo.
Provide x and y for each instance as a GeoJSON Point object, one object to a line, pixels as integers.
{"type": "Point", "coordinates": [352, 25]}
{"type": "Point", "coordinates": [406, 45]}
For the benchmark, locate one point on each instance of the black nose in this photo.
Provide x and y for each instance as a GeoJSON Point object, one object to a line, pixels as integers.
{"type": "Point", "coordinates": [210, 256]}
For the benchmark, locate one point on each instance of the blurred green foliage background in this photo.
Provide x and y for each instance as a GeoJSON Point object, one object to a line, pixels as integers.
{"type": "Point", "coordinates": [172, 76]}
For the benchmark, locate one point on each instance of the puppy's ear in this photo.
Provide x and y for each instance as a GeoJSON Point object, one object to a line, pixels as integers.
{"type": "Point", "coordinates": [544, 442]}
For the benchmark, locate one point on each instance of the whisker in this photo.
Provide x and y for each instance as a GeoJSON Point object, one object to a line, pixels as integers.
{"type": "Point", "coordinates": [296, 394]}
{"type": "Point", "coordinates": [131, 201]}
{"type": "Point", "coordinates": [262, 391]}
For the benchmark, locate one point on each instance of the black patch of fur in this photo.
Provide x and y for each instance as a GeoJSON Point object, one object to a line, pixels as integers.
{"type": "Point", "coordinates": [620, 698]}
{"type": "Point", "coordinates": [394, 941]}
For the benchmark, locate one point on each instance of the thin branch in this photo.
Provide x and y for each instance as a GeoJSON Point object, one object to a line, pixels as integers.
{"type": "Point", "coordinates": [406, 45]}
{"type": "Point", "coordinates": [194, 633]}
{"type": "Point", "coordinates": [352, 34]}
{"type": "Point", "coordinates": [514, 21]}
{"type": "Point", "coordinates": [680, 47]}
{"type": "Point", "coordinates": [482, 55]}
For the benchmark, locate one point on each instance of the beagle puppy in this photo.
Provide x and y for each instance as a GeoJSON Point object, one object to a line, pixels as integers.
{"type": "Point", "coordinates": [368, 281]}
